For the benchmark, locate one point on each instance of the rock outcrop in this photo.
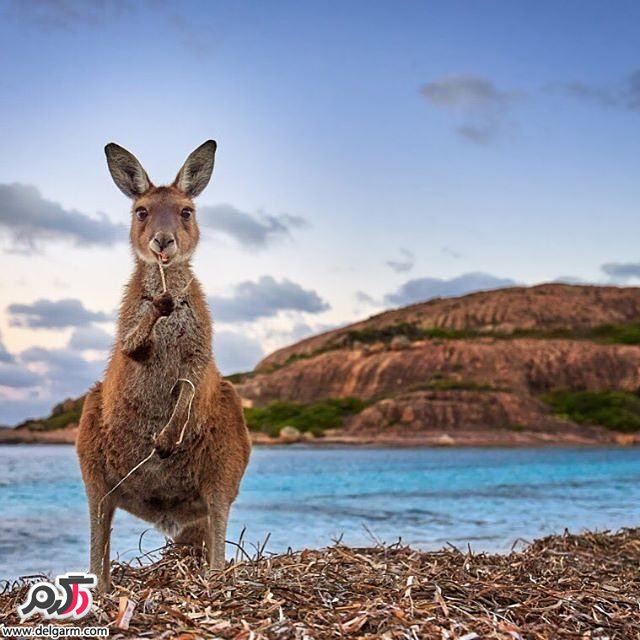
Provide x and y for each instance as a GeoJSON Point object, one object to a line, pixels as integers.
{"type": "Point", "coordinates": [546, 307]}
{"type": "Point", "coordinates": [487, 380]}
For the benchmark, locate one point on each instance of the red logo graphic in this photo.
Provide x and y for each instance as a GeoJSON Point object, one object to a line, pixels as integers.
{"type": "Point", "coordinates": [69, 597]}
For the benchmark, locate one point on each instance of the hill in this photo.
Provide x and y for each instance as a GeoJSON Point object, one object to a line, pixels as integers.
{"type": "Point", "coordinates": [547, 310]}
{"type": "Point", "coordinates": [555, 363]}
{"type": "Point", "coordinates": [552, 363]}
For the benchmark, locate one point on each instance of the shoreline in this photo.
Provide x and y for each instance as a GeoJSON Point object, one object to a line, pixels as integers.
{"type": "Point", "coordinates": [336, 438]}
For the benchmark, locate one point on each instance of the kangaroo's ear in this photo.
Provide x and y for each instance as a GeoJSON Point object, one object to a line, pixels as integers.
{"type": "Point", "coordinates": [197, 169]}
{"type": "Point", "coordinates": [126, 171]}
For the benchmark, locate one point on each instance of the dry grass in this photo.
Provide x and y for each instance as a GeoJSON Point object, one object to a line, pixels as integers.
{"type": "Point", "coordinates": [571, 586]}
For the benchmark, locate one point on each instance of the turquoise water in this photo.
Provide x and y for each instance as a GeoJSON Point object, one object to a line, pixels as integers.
{"type": "Point", "coordinates": [307, 497]}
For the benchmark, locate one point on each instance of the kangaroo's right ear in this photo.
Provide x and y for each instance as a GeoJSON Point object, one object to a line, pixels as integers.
{"type": "Point", "coordinates": [126, 171]}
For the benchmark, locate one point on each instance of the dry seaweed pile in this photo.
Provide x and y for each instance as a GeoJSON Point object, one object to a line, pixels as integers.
{"type": "Point", "coordinates": [572, 586]}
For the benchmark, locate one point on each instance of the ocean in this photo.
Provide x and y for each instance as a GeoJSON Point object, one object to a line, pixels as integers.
{"type": "Point", "coordinates": [488, 499]}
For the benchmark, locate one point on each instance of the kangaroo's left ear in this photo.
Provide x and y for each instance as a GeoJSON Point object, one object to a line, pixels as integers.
{"type": "Point", "coordinates": [197, 169]}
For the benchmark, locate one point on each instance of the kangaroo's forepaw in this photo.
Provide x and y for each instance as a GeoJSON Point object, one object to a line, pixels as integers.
{"type": "Point", "coordinates": [164, 304]}
{"type": "Point", "coordinates": [164, 446]}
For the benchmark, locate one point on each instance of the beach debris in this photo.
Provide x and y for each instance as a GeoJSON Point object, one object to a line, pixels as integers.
{"type": "Point", "coordinates": [125, 612]}
{"type": "Point", "coordinates": [568, 587]}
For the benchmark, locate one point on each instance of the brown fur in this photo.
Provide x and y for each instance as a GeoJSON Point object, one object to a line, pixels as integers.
{"type": "Point", "coordinates": [185, 490]}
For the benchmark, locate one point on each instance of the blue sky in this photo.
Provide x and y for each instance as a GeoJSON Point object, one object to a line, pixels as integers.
{"type": "Point", "coordinates": [371, 154]}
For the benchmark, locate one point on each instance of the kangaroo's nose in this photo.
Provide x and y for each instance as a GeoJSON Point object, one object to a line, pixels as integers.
{"type": "Point", "coordinates": [163, 240]}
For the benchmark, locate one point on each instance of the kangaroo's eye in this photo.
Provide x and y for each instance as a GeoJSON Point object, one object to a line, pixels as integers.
{"type": "Point", "coordinates": [186, 213]}
{"type": "Point", "coordinates": [142, 213]}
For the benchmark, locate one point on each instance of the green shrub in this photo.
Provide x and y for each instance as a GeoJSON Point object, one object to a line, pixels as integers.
{"type": "Point", "coordinates": [616, 410]}
{"type": "Point", "coordinates": [314, 418]}
{"type": "Point", "coordinates": [440, 383]}
{"type": "Point", "coordinates": [621, 334]}
{"type": "Point", "coordinates": [628, 333]}
{"type": "Point", "coordinates": [448, 384]}
{"type": "Point", "coordinates": [385, 334]}
{"type": "Point", "coordinates": [58, 420]}
{"type": "Point", "coordinates": [237, 378]}
{"type": "Point", "coordinates": [448, 334]}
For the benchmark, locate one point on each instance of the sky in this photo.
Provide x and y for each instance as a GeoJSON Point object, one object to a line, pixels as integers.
{"type": "Point", "coordinates": [370, 155]}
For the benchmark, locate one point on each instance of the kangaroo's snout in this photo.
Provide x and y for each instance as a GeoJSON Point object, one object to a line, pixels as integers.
{"type": "Point", "coordinates": [162, 240]}
{"type": "Point", "coordinates": [164, 245]}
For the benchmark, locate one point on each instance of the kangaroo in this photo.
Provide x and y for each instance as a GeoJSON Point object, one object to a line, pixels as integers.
{"type": "Point", "coordinates": [162, 402]}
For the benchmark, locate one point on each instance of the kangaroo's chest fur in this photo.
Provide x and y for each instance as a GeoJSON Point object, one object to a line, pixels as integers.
{"type": "Point", "coordinates": [140, 394]}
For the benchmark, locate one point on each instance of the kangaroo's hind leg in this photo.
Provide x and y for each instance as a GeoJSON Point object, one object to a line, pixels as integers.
{"type": "Point", "coordinates": [101, 509]}
{"type": "Point", "coordinates": [101, 517]}
{"type": "Point", "coordinates": [218, 518]}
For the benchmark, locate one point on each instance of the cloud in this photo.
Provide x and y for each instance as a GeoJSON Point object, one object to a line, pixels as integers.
{"type": "Point", "coordinates": [191, 35]}
{"type": "Point", "coordinates": [32, 381]}
{"type": "Point", "coordinates": [588, 93]}
{"type": "Point", "coordinates": [42, 378]}
{"type": "Point", "coordinates": [422, 289]}
{"type": "Point", "coordinates": [50, 314]}
{"type": "Point", "coordinates": [69, 14]}
{"type": "Point", "coordinates": [5, 356]}
{"type": "Point", "coordinates": [624, 94]}
{"type": "Point", "coordinates": [622, 271]}
{"type": "Point", "coordinates": [484, 133]}
{"type": "Point", "coordinates": [90, 337]}
{"type": "Point", "coordinates": [14, 374]}
{"type": "Point", "coordinates": [365, 298]}
{"type": "Point", "coordinates": [65, 373]}
{"type": "Point", "coordinates": [17, 376]}
{"type": "Point", "coordinates": [38, 378]}
{"type": "Point", "coordinates": [406, 263]}
{"type": "Point", "coordinates": [30, 220]}
{"type": "Point", "coordinates": [451, 253]}
{"type": "Point", "coordinates": [631, 91]}
{"type": "Point", "coordinates": [16, 410]}
{"type": "Point", "coordinates": [264, 299]}
{"type": "Point", "coordinates": [235, 352]}
{"type": "Point", "coordinates": [250, 231]}
{"type": "Point", "coordinates": [298, 331]}
{"type": "Point", "coordinates": [467, 92]}
{"type": "Point", "coordinates": [482, 105]}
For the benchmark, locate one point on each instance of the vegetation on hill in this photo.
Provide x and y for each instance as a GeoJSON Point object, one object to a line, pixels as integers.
{"type": "Point", "coordinates": [597, 313]}
{"type": "Point", "coordinates": [439, 383]}
{"type": "Point", "coordinates": [627, 333]}
{"type": "Point", "coordinates": [62, 415]}
{"type": "Point", "coordinates": [615, 410]}
{"type": "Point", "coordinates": [237, 378]}
{"type": "Point", "coordinates": [313, 418]}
